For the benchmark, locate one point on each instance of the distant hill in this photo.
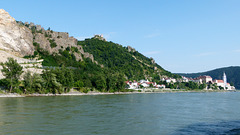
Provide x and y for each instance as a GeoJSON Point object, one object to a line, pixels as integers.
{"type": "Point", "coordinates": [233, 74]}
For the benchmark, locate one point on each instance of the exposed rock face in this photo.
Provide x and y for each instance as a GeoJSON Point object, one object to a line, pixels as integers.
{"type": "Point", "coordinates": [152, 60]}
{"type": "Point", "coordinates": [45, 37]}
{"type": "Point", "coordinates": [18, 38]}
{"type": "Point", "coordinates": [100, 37]}
{"type": "Point", "coordinates": [130, 49]}
{"type": "Point", "coordinates": [14, 37]}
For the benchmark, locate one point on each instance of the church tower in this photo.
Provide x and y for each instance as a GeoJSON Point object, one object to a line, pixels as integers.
{"type": "Point", "coordinates": [224, 80]}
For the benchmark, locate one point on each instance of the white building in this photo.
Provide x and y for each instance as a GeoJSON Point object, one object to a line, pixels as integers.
{"type": "Point", "coordinates": [185, 79]}
{"type": "Point", "coordinates": [224, 80]}
{"type": "Point", "coordinates": [169, 80]}
{"type": "Point", "coordinates": [205, 79]}
{"type": "Point", "coordinates": [162, 86]}
{"type": "Point", "coordinates": [223, 83]}
{"type": "Point", "coordinates": [132, 85]}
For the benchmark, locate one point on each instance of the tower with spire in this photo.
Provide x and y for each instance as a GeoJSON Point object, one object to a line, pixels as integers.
{"type": "Point", "coordinates": [224, 80]}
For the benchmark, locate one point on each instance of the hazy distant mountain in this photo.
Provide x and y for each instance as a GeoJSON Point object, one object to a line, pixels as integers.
{"type": "Point", "coordinates": [233, 74]}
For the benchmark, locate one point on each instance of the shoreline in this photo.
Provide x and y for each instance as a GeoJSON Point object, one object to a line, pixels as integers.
{"type": "Point", "coordinates": [106, 93]}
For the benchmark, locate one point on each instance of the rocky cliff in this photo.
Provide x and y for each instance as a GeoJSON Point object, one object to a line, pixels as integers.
{"type": "Point", "coordinates": [18, 38]}
{"type": "Point", "coordinates": [14, 38]}
{"type": "Point", "coordinates": [53, 42]}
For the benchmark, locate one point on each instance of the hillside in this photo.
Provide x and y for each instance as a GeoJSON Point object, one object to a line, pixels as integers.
{"type": "Point", "coordinates": [95, 63]}
{"type": "Point", "coordinates": [107, 57]}
{"type": "Point", "coordinates": [233, 74]}
{"type": "Point", "coordinates": [123, 59]}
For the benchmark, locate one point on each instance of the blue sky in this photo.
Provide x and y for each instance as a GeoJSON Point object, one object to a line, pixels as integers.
{"type": "Point", "coordinates": [181, 35]}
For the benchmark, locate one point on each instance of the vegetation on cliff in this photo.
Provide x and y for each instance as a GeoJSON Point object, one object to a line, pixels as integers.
{"type": "Point", "coordinates": [132, 64]}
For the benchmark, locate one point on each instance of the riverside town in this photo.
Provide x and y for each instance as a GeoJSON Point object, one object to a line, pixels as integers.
{"type": "Point", "coordinates": [167, 83]}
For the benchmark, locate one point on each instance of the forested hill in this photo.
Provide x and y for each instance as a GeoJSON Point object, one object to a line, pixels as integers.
{"type": "Point", "coordinates": [233, 74]}
{"type": "Point", "coordinates": [125, 60]}
{"type": "Point", "coordinates": [100, 57]}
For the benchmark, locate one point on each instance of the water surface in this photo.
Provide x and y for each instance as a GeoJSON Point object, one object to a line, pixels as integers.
{"type": "Point", "coordinates": [140, 114]}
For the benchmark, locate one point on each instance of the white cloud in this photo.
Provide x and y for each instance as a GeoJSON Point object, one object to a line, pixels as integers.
{"type": "Point", "coordinates": [238, 50]}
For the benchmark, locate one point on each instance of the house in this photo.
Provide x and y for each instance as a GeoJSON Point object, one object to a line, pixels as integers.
{"type": "Point", "coordinates": [162, 86]}
{"type": "Point", "coordinates": [145, 84]}
{"type": "Point", "coordinates": [169, 80]}
{"type": "Point", "coordinates": [221, 83]}
{"type": "Point", "coordinates": [185, 79]}
{"type": "Point", "coordinates": [205, 79]}
{"type": "Point", "coordinates": [142, 81]}
{"type": "Point", "coordinates": [198, 80]}
{"type": "Point", "coordinates": [132, 85]}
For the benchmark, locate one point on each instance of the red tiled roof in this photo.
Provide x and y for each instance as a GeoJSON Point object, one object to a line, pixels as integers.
{"type": "Point", "coordinates": [205, 76]}
{"type": "Point", "coordinates": [220, 81]}
{"type": "Point", "coordinates": [149, 82]}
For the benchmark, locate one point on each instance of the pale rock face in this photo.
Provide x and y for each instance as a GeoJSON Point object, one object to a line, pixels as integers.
{"type": "Point", "coordinates": [13, 37]}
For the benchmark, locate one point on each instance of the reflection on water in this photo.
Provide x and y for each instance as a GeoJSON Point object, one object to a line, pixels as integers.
{"type": "Point", "coordinates": [219, 128]}
{"type": "Point", "coordinates": [141, 114]}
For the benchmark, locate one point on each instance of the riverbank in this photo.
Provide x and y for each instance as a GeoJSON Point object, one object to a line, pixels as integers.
{"type": "Point", "coordinates": [76, 93]}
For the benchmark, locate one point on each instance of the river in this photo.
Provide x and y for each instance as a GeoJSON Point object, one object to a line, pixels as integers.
{"type": "Point", "coordinates": [129, 114]}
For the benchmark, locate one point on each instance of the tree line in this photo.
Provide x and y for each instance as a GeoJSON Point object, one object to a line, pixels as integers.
{"type": "Point", "coordinates": [58, 80]}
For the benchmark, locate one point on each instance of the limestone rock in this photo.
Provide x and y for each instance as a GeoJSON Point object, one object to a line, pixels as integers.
{"type": "Point", "coordinates": [14, 37]}
{"type": "Point", "coordinates": [152, 60]}
{"type": "Point", "coordinates": [100, 37]}
{"type": "Point", "coordinates": [130, 49]}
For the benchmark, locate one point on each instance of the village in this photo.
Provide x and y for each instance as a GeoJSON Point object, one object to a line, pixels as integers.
{"type": "Point", "coordinates": [208, 80]}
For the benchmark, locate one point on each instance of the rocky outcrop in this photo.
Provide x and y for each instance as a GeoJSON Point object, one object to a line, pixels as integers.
{"type": "Point", "coordinates": [99, 37]}
{"type": "Point", "coordinates": [18, 38]}
{"type": "Point", "coordinates": [130, 49]}
{"type": "Point", "coordinates": [14, 37]}
{"type": "Point", "coordinates": [152, 60]}
{"type": "Point", "coordinates": [54, 41]}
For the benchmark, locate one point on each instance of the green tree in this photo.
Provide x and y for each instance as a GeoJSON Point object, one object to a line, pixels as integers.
{"type": "Point", "coordinates": [51, 83]}
{"type": "Point", "coordinates": [202, 86]}
{"type": "Point", "coordinates": [65, 77]}
{"type": "Point", "coordinates": [87, 83]}
{"type": "Point", "coordinates": [120, 82]}
{"type": "Point", "coordinates": [79, 84]}
{"type": "Point", "coordinates": [100, 83]}
{"type": "Point", "coordinates": [38, 83]}
{"type": "Point", "coordinates": [33, 83]}
{"type": "Point", "coordinates": [111, 81]}
{"type": "Point", "coordinates": [28, 82]}
{"type": "Point", "coordinates": [12, 71]}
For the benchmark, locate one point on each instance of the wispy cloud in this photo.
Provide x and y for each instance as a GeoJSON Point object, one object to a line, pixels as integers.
{"type": "Point", "coordinates": [153, 35]}
{"type": "Point", "coordinates": [238, 50]}
{"type": "Point", "coordinates": [205, 54]}
{"type": "Point", "coordinates": [151, 52]}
